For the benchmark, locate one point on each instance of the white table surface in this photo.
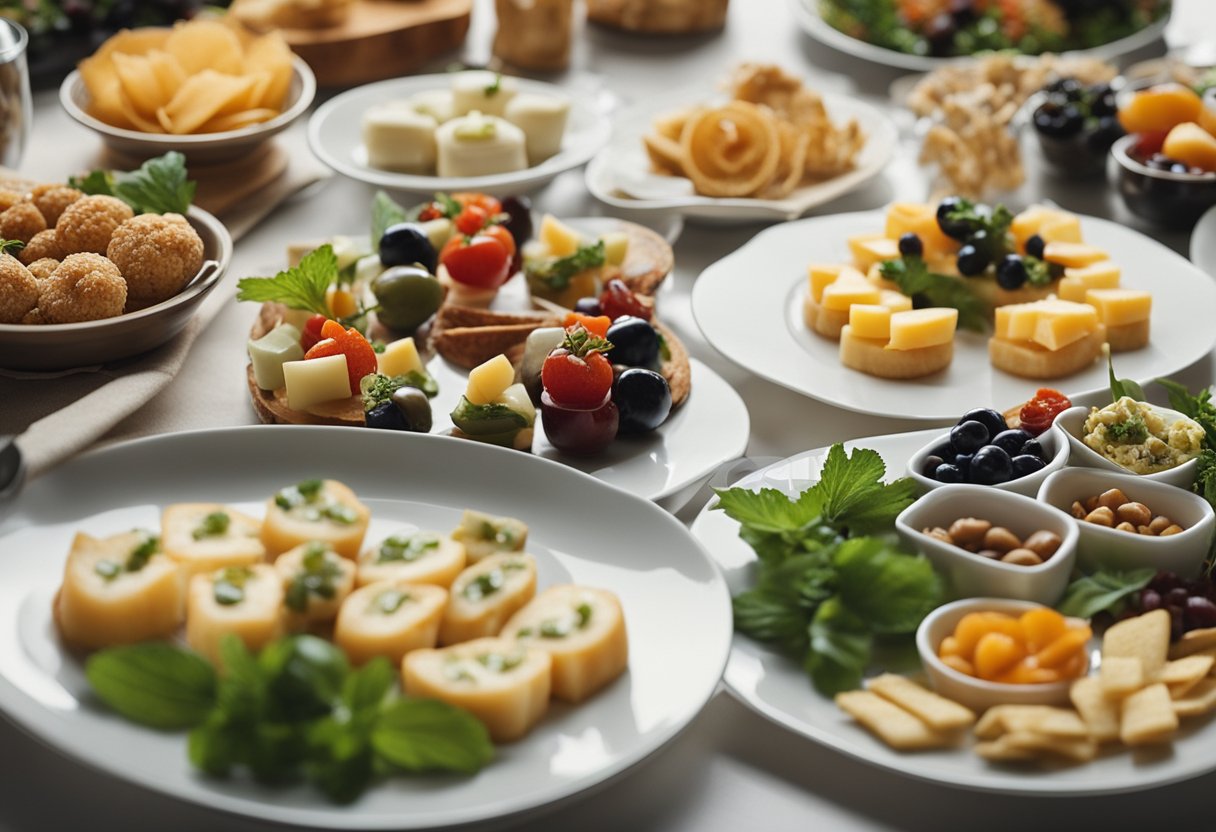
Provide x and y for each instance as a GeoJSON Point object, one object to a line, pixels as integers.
{"type": "Point", "coordinates": [731, 769]}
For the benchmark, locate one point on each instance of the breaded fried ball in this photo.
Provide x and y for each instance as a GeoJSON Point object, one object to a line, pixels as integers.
{"type": "Point", "coordinates": [33, 318]}
{"type": "Point", "coordinates": [53, 199]}
{"type": "Point", "coordinates": [157, 254]}
{"type": "Point", "coordinates": [21, 222]}
{"type": "Point", "coordinates": [42, 269]}
{"type": "Point", "coordinates": [9, 198]}
{"type": "Point", "coordinates": [88, 223]}
{"type": "Point", "coordinates": [18, 290]}
{"type": "Point", "coordinates": [42, 245]}
{"type": "Point", "coordinates": [84, 287]}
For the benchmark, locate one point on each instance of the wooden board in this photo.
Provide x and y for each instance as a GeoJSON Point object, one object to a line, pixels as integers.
{"type": "Point", "coordinates": [382, 39]}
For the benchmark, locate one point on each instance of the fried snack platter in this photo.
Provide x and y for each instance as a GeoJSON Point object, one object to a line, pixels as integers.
{"type": "Point", "coordinates": [749, 306]}
{"type": "Point", "coordinates": [777, 687]}
{"type": "Point", "coordinates": [43, 688]}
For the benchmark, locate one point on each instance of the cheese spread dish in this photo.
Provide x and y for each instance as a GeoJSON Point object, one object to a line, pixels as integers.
{"type": "Point", "coordinates": [1139, 438]}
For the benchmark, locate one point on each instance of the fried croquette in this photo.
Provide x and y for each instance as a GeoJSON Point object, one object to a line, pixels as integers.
{"type": "Point", "coordinates": [42, 245]}
{"type": "Point", "coordinates": [51, 200]}
{"type": "Point", "coordinates": [88, 223]}
{"type": "Point", "coordinates": [157, 254]}
{"type": "Point", "coordinates": [18, 290]}
{"type": "Point", "coordinates": [21, 222]}
{"type": "Point", "coordinates": [42, 269]}
{"type": "Point", "coordinates": [84, 287]}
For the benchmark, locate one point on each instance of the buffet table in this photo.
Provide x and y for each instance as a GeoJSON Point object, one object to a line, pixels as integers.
{"type": "Point", "coordinates": [731, 769]}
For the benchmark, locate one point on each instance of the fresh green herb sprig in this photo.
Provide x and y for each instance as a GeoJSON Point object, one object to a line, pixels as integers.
{"type": "Point", "coordinates": [11, 246]}
{"type": "Point", "coordinates": [159, 186]}
{"type": "Point", "coordinates": [579, 342]}
{"type": "Point", "coordinates": [1131, 431]}
{"type": "Point", "coordinates": [995, 222]}
{"type": "Point", "coordinates": [825, 590]}
{"type": "Point", "coordinates": [1103, 591]}
{"type": "Point", "coordinates": [914, 279]}
{"type": "Point", "coordinates": [295, 709]}
{"type": "Point", "coordinates": [214, 524]}
{"type": "Point", "coordinates": [301, 287]}
{"type": "Point", "coordinates": [557, 274]}
{"type": "Point", "coordinates": [379, 388]}
{"type": "Point", "coordinates": [1122, 387]}
{"type": "Point", "coordinates": [1199, 406]}
{"type": "Point", "coordinates": [316, 578]}
{"type": "Point", "coordinates": [386, 212]}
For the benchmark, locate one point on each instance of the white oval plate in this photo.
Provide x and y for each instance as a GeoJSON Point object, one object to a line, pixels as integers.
{"type": "Point", "coordinates": [624, 161]}
{"type": "Point", "coordinates": [749, 306]}
{"type": "Point", "coordinates": [335, 134]}
{"type": "Point", "coordinates": [1203, 242]}
{"type": "Point", "coordinates": [675, 601]}
{"type": "Point", "coordinates": [812, 22]}
{"type": "Point", "coordinates": [776, 687]}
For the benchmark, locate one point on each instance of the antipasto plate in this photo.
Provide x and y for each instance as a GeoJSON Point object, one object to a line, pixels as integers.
{"type": "Point", "coordinates": [677, 619]}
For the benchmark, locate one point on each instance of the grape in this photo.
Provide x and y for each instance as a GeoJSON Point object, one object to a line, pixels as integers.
{"type": "Point", "coordinates": [1200, 613]}
{"type": "Point", "coordinates": [1149, 600]}
{"type": "Point", "coordinates": [1176, 597]}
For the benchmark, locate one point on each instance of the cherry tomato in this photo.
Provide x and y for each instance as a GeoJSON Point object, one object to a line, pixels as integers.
{"type": "Point", "coordinates": [312, 331]}
{"type": "Point", "coordinates": [471, 219]}
{"type": "Point", "coordinates": [595, 324]}
{"type": "Point", "coordinates": [1037, 414]}
{"type": "Point", "coordinates": [485, 202]}
{"type": "Point", "coordinates": [360, 357]}
{"type": "Point", "coordinates": [503, 236]}
{"type": "Point", "coordinates": [481, 261]}
{"type": "Point", "coordinates": [574, 382]}
{"type": "Point", "coordinates": [617, 300]}
{"type": "Point", "coordinates": [432, 211]}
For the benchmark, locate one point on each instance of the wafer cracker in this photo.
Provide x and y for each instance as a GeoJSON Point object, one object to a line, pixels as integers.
{"type": "Point", "coordinates": [1147, 715]}
{"type": "Point", "coordinates": [1054, 722]}
{"type": "Point", "coordinates": [1079, 750]}
{"type": "Point", "coordinates": [1145, 637]}
{"type": "Point", "coordinates": [1180, 675]}
{"type": "Point", "coordinates": [1121, 675]}
{"type": "Point", "coordinates": [1194, 642]}
{"type": "Point", "coordinates": [938, 712]}
{"type": "Point", "coordinates": [1100, 712]}
{"type": "Point", "coordinates": [993, 723]}
{"type": "Point", "coordinates": [889, 722]}
{"type": "Point", "coordinates": [1199, 700]}
{"type": "Point", "coordinates": [1000, 751]}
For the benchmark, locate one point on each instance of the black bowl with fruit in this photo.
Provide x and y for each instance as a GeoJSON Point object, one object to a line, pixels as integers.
{"type": "Point", "coordinates": [1162, 190]}
{"type": "Point", "coordinates": [1076, 126]}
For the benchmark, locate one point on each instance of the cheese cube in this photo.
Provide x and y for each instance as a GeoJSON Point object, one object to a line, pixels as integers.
{"type": "Point", "coordinates": [1062, 323]}
{"type": "Point", "coordinates": [486, 594]}
{"type": "Point", "coordinates": [488, 381]}
{"type": "Point", "coordinates": [420, 558]}
{"type": "Point", "coordinates": [895, 301]}
{"type": "Point", "coordinates": [389, 619]}
{"type": "Point", "coordinates": [920, 219]}
{"type": "Point", "coordinates": [616, 247]}
{"type": "Point", "coordinates": [582, 630]}
{"type": "Point", "coordinates": [204, 537]}
{"type": "Point", "coordinates": [868, 249]}
{"type": "Point", "coordinates": [1016, 321]}
{"type": "Point", "coordinates": [479, 145]}
{"type": "Point", "coordinates": [246, 601]}
{"type": "Point", "coordinates": [922, 328]}
{"type": "Point", "coordinates": [849, 288]}
{"type": "Point", "coordinates": [400, 357]}
{"type": "Point", "coordinates": [484, 534]}
{"type": "Point", "coordinates": [1119, 307]}
{"type": "Point", "coordinates": [399, 138]}
{"type": "Point", "coordinates": [1031, 221]}
{"type": "Point", "coordinates": [1077, 281]}
{"type": "Point", "coordinates": [560, 239]}
{"type": "Point", "coordinates": [821, 275]}
{"type": "Point", "coordinates": [325, 511]}
{"type": "Point", "coordinates": [869, 321]}
{"type": "Point", "coordinates": [1063, 228]}
{"type": "Point", "coordinates": [269, 353]}
{"type": "Point", "coordinates": [1073, 254]}
{"type": "Point", "coordinates": [500, 681]}
{"type": "Point", "coordinates": [316, 380]}
{"type": "Point", "coordinates": [543, 120]}
{"type": "Point", "coordinates": [107, 599]}
{"type": "Point", "coordinates": [480, 89]}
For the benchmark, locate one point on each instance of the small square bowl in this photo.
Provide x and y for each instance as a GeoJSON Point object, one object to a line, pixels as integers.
{"type": "Point", "coordinates": [1071, 426]}
{"type": "Point", "coordinates": [1054, 446]}
{"type": "Point", "coordinates": [1099, 547]}
{"type": "Point", "coordinates": [978, 694]}
{"type": "Point", "coordinates": [972, 575]}
{"type": "Point", "coordinates": [1165, 198]}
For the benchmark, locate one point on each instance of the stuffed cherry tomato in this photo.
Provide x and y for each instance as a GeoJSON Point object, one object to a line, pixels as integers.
{"type": "Point", "coordinates": [482, 261]}
{"type": "Point", "coordinates": [577, 374]}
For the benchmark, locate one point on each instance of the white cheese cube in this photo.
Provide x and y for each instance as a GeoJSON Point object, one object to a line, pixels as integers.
{"type": "Point", "coordinates": [399, 139]}
{"type": "Point", "coordinates": [616, 247]}
{"type": "Point", "coordinates": [400, 357]}
{"type": "Point", "coordinates": [479, 145]}
{"type": "Point", "coordinates": [204, 537]}
{"type": "Point", "coordinates": [481, 90]}
{"type": "Point", "coordinates": [269, 353]}
{"type": "Point", "coordinates": [486, 594]}
{"type": "Point", "coordinates": [420, 558]}
{"type": "Point", "coordinates": [315, 380]}
{"type": "Point", "coordinates": [246, 601]}
{"type": "Point", "coordinates": [389, 619]}
{"type": "Point", "coordinates": [543, 120]}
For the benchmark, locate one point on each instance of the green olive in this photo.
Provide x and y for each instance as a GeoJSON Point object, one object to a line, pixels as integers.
{"type": "Point", "coordinates": [407, 295]}
{"type": "Point", "coordinates": [415, 407]}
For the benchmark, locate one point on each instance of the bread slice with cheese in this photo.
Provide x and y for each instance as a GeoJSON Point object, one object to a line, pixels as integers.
{"type": "Point", "coordinates": [486, 595]}
{"type": "Point", "coordinates": [203, 537]}
{"type": "Point", "coordinates": [389, 619]}
{"type": "Point", "coordinates": [417, 557]}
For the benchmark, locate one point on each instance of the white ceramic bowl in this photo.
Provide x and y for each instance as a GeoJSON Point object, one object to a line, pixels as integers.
{"type": "Point", "coordinates": [970, 574]}
{"type": "Point", "coordinates": [1071, 426]}
{"type": "Point", "coordinates": [1054, 446]}
{"type": "Point", "coordinates": [978, 694]}
{"type": "Point", "coordinates": [197, 148]}
{"type": "Point", "coordinates": [1100, 547]}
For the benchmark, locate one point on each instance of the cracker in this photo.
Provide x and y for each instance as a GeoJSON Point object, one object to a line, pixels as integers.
{"type": "Point", "coordinates": [1145, 637]}
{"type": "Point", "coordinates": [1121, 675]}
{"type": "Point", "coordinates": [1081, 750]}
{"type": "Point", "coordinates": [890, 723]}
{"type": "Point", "coordinates": [1100, 712]}
{"type": "Point", "coordinates": [1199, 700]}
{"type": "Point", "coordinates": [1194, 642]}
{"type": "Point", "coordinates": [994, 722]}
{"type": "Point", "coordinates": [1001, 751]}
{"type": "Point", "coordinates": [938, 712]}
{"type": "Point", "coordinates": [1147, 716]}
{"type": "Point", "coordinates": [1183, 674]}
{"type": "Point", "coordinates": [1054, 722]}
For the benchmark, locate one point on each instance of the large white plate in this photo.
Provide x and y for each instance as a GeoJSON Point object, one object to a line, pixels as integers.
{"type": "Point", "coordinates": [812, 22]}
{"type": "Point", "coordinates": [675, 603]}
{"type": "Point", "coordinates": [623, 165]}
{"type": "Point", "coordinates": [1203, 242]}
{"type": "Point", "coordinates": [335, 134]}
{"type": "Point", "coordinates": [749, 306]}
{"type": "Point", "coordinates": [776, 687]}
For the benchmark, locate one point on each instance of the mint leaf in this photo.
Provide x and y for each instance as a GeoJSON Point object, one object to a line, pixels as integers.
{"type": "Point", "coordinates": [853, 494]}
{"type": "Point", "coordinates": [780, 608]}
{"type": "Point", "coordinates": [428, 735]}
{"type": "Point", "coordinates": [385, 213]}
{"type": "Point", "coordinates": [1103, 591]}
{"type": "Point", "coordinates": [159, 186]}
{"type": "Point", "coordinates": [368, 686]}
{"type": "Point", "coordinates": [154, 684]}
{"type": "Point", "coordinates": [1122, 387]}
{"type": "Point", "coordinates": [302, 287]}
{"type": "Point", "coordinates": [840, 648]}
{"type": "Point", "coordinates": [769, 510]}
{"type": "Point", "coordinates": [95, 183]}
{"type": "Point", "coordinates": [888, 590]}
{"type": "Point", "coordinates": [914, 279]}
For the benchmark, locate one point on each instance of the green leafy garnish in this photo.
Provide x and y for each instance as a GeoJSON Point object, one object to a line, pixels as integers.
{"type": "Point", "coordinates": [229, 588]}
{"type": "Point", "coordinates": [1122, 387]}
{"type": "Point", "coordinates": [302, 493]}
{"type": "Point", "coordinates": [1131, 431]}
{"type": "Point", "coordinates": [913, 278]}
{"type": "Point", "coordinates": [556, 274]}
{"type": "Point", "coordinates": [159, 186]}
{"type": "Point", "coordinates": [385, 213]}
{"type": "Point", "coordinates": [139, 556]}
{"type": "Point", "coordinates": [316, 578]}
{"type": "Point", "coordinates": [1038, 272]}
{"type": "Point", "coordinates": [378, 388]}
{"type": "Point", "coordinates": [995, 222]}
{"type": "Point", "coordinates": [214, 524]}
{"type": "Point", "coordinates": [301, 287]}
{"type": "Point", "coordinates": [408, 549]}
{"type": "Point", "coordinates": [493, 89]}
{"type": "Point", "coordinates": [428, 735]}
{"type": "Point", "coordinates": [1103, 592]}
{"type": "Point", "coordinates": [154, 684]}
{"type": "Point", "coordinates": [388, 601]}
{"type": "Point", "coordinates": [1199, 407]}
{"type": "Point", "coordinates": [579, 342]}
{"type": "Point", "coordinates": [11, 246]}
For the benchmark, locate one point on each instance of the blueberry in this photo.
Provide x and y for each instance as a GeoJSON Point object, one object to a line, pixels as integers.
{"type": "Point", "coordinates": [963, 463]}
{"type": "Point", "coordinates": [972, 261]}
{"type": "Point", "coordinates": [1024, 465]}
{"type": "Point", "coordinates": [910, 245]}
{"type": "Point", "coordinates": [1033, 448]}
{"type": "Point", "coordinates": [1011, 441]}
{"type": "Point", "coordinates": [987, 417]}
{"type": "Point", "coordinates": [1104, 102]}
{"type": "Point", "coordinates": [643, 398]}
{"type": "Point", "coordinates": [968, 437]}
{"type": "Point", "coordinates": [406, 243]}
{"type": "Point", "coordinates": [945, 451]}
{"type": "Point", "coordinates": [951, 227]}
{"type": "Point", "coordinates": [931, 464]}
{"type": "Point", "coordinates": [1035, 246]}
{"type": "Point", "coordinates": [991, 466]}
{"type": "Point", "coordinates": [948, 473]}
{"type": "Point", "coordinates": [635, 342]}
{"type": "Point", "coordinates": [1011, 273]}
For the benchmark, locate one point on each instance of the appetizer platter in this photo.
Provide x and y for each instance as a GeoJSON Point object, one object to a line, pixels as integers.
{"type": "Point", "coordinates": [656, 644]}
{"type": "Point", "coordinates": [427, 332]}
{"type": "Point", "coordinates": [869, 599]}
{"type": "Point", "coordinates": [475, 131]}
{"type": "Point", "coordinates": [791, 307]}
{"type": "Point", "coordinates": [941, 33]}
{"type": "Point", "coordinates": [772, 148]}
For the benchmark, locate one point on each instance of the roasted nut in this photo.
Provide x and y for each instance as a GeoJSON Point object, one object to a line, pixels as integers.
{"type": "Point", "coordinates": [1022, 557]}
{"type": "Point", "coordinates": [1135, 513]}
{"type": "Point", "coordinates": [1101, 516]}
{"type": "Point", "coordinates": [1144, 530]}
{"type": "Point", "coordinates": [938, 533]}
{"type": "Point", "coordinates": [1128, 527]}
{"type": "Point", "coordinates": [1043, 543]}
{"type": "Point", "coordinates": [1159, 524]}
{"type": "Point", "coordinates": [991, 554]}
{"type": "Point", "coordinates": [1001, 539]}
{"type": "Point", "coordinates": [1112, 499]}
{"type": "Point", "coordinates": [1091, 504]}
{"type": "Point", "coordinates": [968, 530]}
{"type": "Point", "coordinates": [1078, 511]}
{"type": "Point", "coordinates": [1173, 528]}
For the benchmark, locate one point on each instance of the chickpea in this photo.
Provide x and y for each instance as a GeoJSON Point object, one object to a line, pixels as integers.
{"type": "Point", "coordinates": [1144, 530]}
{"type": "Point", "coordinates": [1127, 527]}
{"type": "Point", "coordinates": [1112, 499]}
{"type": "Point", "coordinates": [1101, 516]}
{"type": "Point", "coordinates": [1077, 510]}
{"type": "Point", "coordinates": [938, 533]}
{"type": "Point", "coordinates": [1043, 543]}
{"type": "Point", "coordinates": [1022, 557]}
{"type": "Point", "coordinates": [1159, 524]}
{"type": "Point", "coordinates": [1001, 540]}
{"type": "Point", "coordinates": [1173, 528]}
{"type": "Point", "coordinates": [991, 554]}
{"type": "Point", "coordinates": [967, 531]}
{"type": "Point", "coordinates": [1135, 513]}
{"type": "Point", "coordinates": [1090, 504]}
